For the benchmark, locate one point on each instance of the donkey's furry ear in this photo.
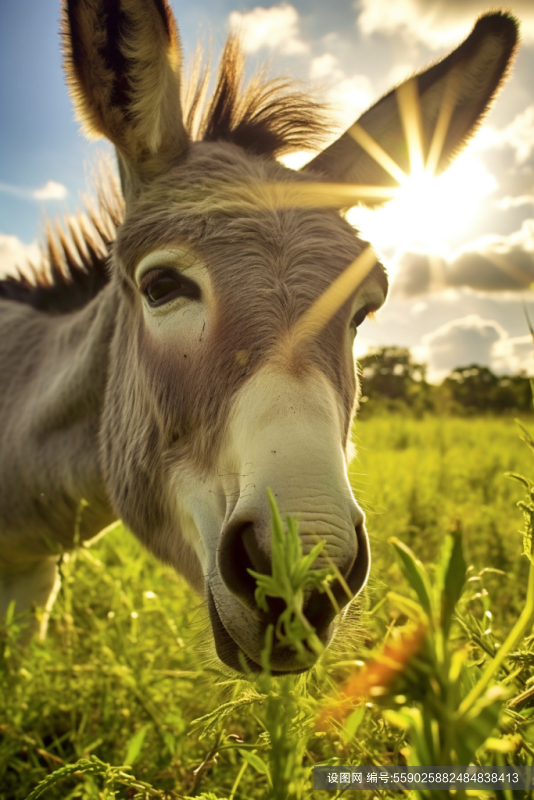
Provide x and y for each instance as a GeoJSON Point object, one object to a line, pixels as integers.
{"type": "Point", "coordinates": [434, 113]}
{"type": "Point", "coordinates": [123, 65]}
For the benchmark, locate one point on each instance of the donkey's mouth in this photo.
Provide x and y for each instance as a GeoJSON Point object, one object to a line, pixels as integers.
{"type": "Point", "coordinates": [227, 649]}
{"type": "Point", "coordinates": [231, 653]}
{"type": "Point", "coordinates": [319, 610]}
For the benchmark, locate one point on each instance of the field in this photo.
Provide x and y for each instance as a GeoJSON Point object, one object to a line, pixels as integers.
{"type": "Point", "coordinates": [128, 673]}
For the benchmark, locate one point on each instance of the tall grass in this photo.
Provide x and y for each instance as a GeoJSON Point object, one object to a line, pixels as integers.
{"type": "Point", "coordinates": [126, 698]}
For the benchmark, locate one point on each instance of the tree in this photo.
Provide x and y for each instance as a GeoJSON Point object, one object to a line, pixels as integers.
{"type": "Point", "coordinates": [392, 380]}
{"type": "Point", "coordinates": [477, 388]}
{"type": "Point", "coordinates": [389, 372]}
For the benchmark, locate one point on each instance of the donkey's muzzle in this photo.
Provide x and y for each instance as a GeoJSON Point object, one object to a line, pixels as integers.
{"type": "Point", "coordinates": [242, 550]}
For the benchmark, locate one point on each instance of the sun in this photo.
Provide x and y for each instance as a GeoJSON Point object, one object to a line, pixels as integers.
{"type": "Point", "coordinates": [428, 212]}
{"type": "Point", "coordinates": [419, 209]}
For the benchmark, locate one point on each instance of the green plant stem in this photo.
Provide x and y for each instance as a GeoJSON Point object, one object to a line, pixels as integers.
{"type": "Point", "coordinates": [526, 616]}
{"type": "Point", "coordinates": [238, 779]}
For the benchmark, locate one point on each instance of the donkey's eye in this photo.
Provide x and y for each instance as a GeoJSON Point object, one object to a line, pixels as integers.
{"type": "Point", "coordinates": [160, 286]}
{"type": "Point", "coordinates": [359, 317]}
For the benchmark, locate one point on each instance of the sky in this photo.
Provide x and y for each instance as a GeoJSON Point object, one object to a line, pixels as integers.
{"type": "Point", "coordinates": [476, 222]}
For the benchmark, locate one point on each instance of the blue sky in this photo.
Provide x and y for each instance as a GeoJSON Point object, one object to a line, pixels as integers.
{"type": "Point", "coordinates": [350, 53]}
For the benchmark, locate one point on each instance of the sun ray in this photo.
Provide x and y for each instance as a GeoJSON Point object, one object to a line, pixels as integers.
{"type": "Point", "coordinates": [410, 114]}
{"type": "Point", "coordinates": [323, 309]}
{"type": "Point", "coordinates": [436, 266]}
{"type": "Point", "coordinates": [335, 195]}
{"type": "Point", "coordinates": [506, 266]}
{"type": "Point", "coordinates": [372, 147]}
{"type": "Point", "coordinates": [442, 124]}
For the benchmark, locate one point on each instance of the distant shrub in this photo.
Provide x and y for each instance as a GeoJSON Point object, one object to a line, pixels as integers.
{"type": "Point", "coordinates": [393, 382]}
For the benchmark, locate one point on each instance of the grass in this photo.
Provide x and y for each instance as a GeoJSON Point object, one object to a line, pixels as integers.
{"type": "Point", "coordinates": [127, 679]}
{"type": "Point", "coordinates": [419, 480]}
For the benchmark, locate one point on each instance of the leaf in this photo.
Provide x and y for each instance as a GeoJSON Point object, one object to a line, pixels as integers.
{"type": "Point", "coordinates": [397, 718]}
{"type": "Point", "coordinates": [408, 606]}
{"type": "Point", "coordinates": [213, 718]}
{"type": "Point", "coordinates": [500, 745]}
{"type": "Point", "coordinates": [306, 561]}
{"type": "Point", "coordinates": [256, 762]}
{"type": "Point", "coordinates": [10, 613]}
{"type": "Point", "coordinates": [170, 742]}
{"type": "Point", "coordinates": [526, 437]}
{"type": "Point", "coordinates": [483, 719]}
{"type": "Point", "coordinates": [453, 571]}
{"type": "Point", "coordinates": [135, 745]}
{"type": "Point", "coordinates": [524, 481]}
{"type": "Point", "coordinates": [277, 556]}
{"type": "Point", "coordinates": [293, 542]}
{"type": "Point", "coordinates": [352, 723]}
{"type": "Point", "coordinates": [415, 573]}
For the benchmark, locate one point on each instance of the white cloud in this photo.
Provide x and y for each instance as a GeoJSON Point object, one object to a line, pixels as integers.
{"type": "Point", "coordinates": [346, 97]}
{"type": "Point", "coordinates": [278, 28]}
{"type": "Point", "coordinates": [399, 73]}
{"type": "Point", "coordinates": [418, 307]}
{"type": "Point", "coordinates": [485, 138]}
{"type": "Point", "coordinates": [488, 264]}
{"type": "Point", "coordinates": [523, 239]}
{"type": "Point", "coordinates": [349, 98]}
{"type": "Point", "coordinates": [474, 340]}
{"type": "Point", "coordinates": [326, 66]}
{"type": "Point", "coordinates": [14, 254]}
{"type": "Point", "coordinates": [519, 135]}
{"type": "Point", "coordinates": [516, 202]}
{"type": "Point", "coordinates": [50, 191]}
{"type": "Point", "coordinates": [510, 355]}
{"type": "Point", "coordinates": [275, 27]}
{"type": "Point", "coordinates": [435, 23]}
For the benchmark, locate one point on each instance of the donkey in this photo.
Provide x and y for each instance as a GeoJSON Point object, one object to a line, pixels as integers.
{"type": "Point", "coordinates": [210, 357]}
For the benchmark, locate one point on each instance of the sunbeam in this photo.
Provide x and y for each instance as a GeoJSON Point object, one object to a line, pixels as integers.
{"type": "Point", "coordinates": [366, 141]}
{"type": "Point", "coordinates": [331, 300]}
{"type": "Point", "coordinates": [410, 113]}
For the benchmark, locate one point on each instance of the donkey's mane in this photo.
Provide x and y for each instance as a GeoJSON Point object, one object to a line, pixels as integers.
{"type": "Point", "coordinates": [269, 117]}
{"type": "Point", "coordinates": [72, 268]}
{"type": "Point", "coordinates": [266, 116]}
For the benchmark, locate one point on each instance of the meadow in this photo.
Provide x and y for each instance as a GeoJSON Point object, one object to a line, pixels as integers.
{"type": "Point", "coordinates": [127, 688]}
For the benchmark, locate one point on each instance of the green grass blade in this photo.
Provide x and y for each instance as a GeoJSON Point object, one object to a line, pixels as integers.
{"type": "Point", "coordinates": [255, 761]}
{"type": "Point", "coordinates": [415, 574]}
{"type": "Point", "coordinates": [135, 745]}
{"type": "Point", "coordinates": [454, 572]}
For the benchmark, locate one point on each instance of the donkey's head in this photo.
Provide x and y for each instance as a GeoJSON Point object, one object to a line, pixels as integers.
{"type": "Point", "coordinates": [240, 288]}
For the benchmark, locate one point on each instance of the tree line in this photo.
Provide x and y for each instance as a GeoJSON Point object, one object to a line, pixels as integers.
{"type": "Point", "coordinates": [391, 381]}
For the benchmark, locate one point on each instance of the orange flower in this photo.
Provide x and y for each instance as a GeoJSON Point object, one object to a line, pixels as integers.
{"type": "Point", "coordinates": [374, 678]}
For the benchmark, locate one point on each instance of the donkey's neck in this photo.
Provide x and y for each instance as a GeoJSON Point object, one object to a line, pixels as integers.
{"type": "Point", "coordinates": [50, 478]}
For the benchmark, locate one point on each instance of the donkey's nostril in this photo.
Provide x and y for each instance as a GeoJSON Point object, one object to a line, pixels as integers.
{"type": "Point", "coordinates": [260, 560]}
{"type": "Point", "coordinates": [238, 553]}
{"type": "Point", "coordinates": [319, 610]}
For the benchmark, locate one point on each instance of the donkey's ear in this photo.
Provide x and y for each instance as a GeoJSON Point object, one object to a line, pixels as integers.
{"type": "Point", "coordinates": [430, 116]}
{"type": "Point", "coordinates": [123, 64]}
